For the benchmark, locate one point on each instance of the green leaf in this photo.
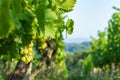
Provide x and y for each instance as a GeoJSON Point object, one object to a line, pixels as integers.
{"type": "Point", "coordinates": [29, 15]}
{"type": "Point", "coordinates": [1, 2]}
{"type": "Point", "coordinates": [67, 5]}
{"type": "Point", "coordinates": [27, 38]}
{"type": "Point", "coordinates": [17, 23]}
{"type": "Point", "coordinates": [6, 23]}
{"type": "Point", "coordinates": [12, 51]}
{"type": "Point", "coordinates": [69, 26]}
{"type": "Point", "coordinates": [41, 18]}
{"type": "Point", "coordinates": [28, 28]}
{"type": "Point", "coordinates": [45, 15]}
{"type": "Point", "coordinates": [50, 29]}
{"type": "Point", "coordinates": [17, 9]}
{"type": "Point", "coordinates": [50, 15]}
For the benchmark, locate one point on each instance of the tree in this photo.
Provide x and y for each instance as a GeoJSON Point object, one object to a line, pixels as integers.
{"type": "Point", "coordinates": [99, 50]}
{"type": "Point", "coordinates": [105, 50]}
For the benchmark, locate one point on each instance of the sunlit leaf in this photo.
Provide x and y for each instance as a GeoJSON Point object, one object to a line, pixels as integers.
{"type": "Point", "coordinates": [50, 15]}
{"type": "Point", "coordinates": [50, 29]}
{"type": "Point", "coordinates": [69, 26]}
{"type": "Point", "coordinates": [67, 5]}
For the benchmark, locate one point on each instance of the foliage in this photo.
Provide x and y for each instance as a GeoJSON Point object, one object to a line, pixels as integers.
{"type": "Point", "coordinates": [33, 27]}
{"type": "Point", "coordinates": [105, 49]}
{"type": "Point", "coordinates": [98, 50]}
{"type": "Point", "coordinates": [76, 65]}
{"type": "Point", "coordinates": [114, 38]}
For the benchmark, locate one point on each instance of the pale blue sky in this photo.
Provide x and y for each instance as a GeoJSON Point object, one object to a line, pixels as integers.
{"type": "Point", "coordinates": [90, 16]}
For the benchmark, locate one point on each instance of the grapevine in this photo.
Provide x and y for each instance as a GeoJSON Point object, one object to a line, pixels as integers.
{"type": "Point", "coordinates": [108, 44]}
{"type": "Point", "coordinates": [27, 29]}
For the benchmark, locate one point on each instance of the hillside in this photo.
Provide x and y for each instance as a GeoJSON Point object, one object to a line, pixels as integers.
{"type": "Point", "coordinates": [76, 47]}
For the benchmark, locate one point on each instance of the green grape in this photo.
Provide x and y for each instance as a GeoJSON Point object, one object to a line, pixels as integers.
{"type": "Point", "coordinates": [44, 45]}
{"type": "Point", "coordinates": [30, 54]}
{"type": "Point", "coordinates": [30, 45]}
{"type": "Point", "coordinates": [25, 51]}
{"type": "Point", "coordinates": [29, 50]}
{"type": "Point", "coordinates": [21, 51]}
{"type": "Point", "coordinates": [23, 59]}
{"type": "Point", "coordinates": [28, 59]}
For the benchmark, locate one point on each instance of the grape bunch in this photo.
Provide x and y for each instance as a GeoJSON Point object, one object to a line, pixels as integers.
{"type": "Point", "coordinates": [27, 53]}
{"type": "Point", "coordinates": [41, 43]}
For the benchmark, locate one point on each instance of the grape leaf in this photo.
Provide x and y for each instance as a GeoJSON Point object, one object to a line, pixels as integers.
{"type": "Point", "coordinates": [17, 23]}
{"type": "Point", "coordinates": [17, 9]}
{"type": "Point", "coordinates": [50, 15]}
{"type": "Point", "coordinates": [40, 17]}
{"type": "Point", "coordinates": [67, 5]}
{"type": "Point", "coordinates": [50, 29]}
{"type": "Point", "coordinates": [69, 26]}
{"type": "Point", "coordinates": [6, 23]}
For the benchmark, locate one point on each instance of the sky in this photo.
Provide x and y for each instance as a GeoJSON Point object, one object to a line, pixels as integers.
{"type": "Point", "coordinates": [90, 16]}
